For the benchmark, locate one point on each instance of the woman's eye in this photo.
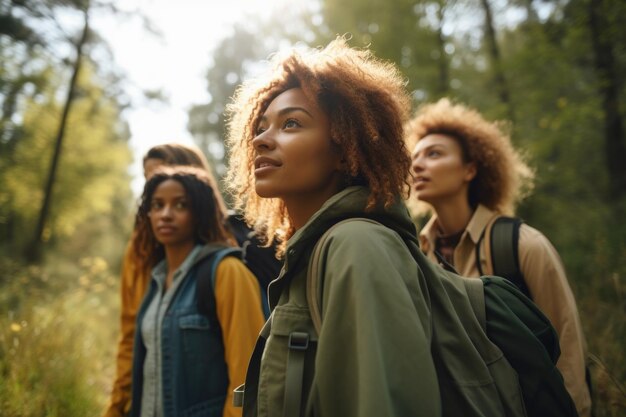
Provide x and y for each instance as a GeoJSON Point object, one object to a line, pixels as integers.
{"type": "Point", "coordinates": [156, 205]}
{"type": "Point", "coordinates": [291, 123]}
{"type": "Point", "coordinates": [434, 153]}
{"type": "Point", "coordinates": [181, 205]}
{"type": "Point", "coordinates": [260, 130]}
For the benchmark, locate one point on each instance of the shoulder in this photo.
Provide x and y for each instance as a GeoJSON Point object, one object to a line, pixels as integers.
{"type": "Point", "coordinates": [364, 243]}
{"type": "Point", "coordinates": [532, 239]}
{"type": "Point", "coordinates": [360, 232]}
{"type": "Point", "coordinates": [231, 265]}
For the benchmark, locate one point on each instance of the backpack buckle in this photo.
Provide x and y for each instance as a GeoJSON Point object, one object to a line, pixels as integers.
{"type": "Point", "coordinates": [298, 341]}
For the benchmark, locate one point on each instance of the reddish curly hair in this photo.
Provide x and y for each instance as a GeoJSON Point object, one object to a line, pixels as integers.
{"type": "Point", "coordinates": [502, 178]}
{"type": "Point", "coordinates": [367, 104]}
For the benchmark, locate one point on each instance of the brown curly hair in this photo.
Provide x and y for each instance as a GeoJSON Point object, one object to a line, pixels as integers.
{"type": "Point", "coordinates": [367, 104]}
{"type": "Point", "coordinates": [502, 178]}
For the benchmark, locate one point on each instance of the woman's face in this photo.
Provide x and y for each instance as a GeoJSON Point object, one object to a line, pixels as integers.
{"type": "Point", "coordinates": [170, 215]}
{"type": "Point", "coordinates": [150, 165]}
{"type": "Point", "coordinates": [295, 157]}
{"type": "Point", "coordinates": [439, 172]}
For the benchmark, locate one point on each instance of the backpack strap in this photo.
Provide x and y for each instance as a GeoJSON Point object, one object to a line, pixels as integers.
{"type": "Point", "coordinates": [245, 395]}
{"type": "Point", "coordinates": [476, 294]}
{"type": "Point", "coordinates": [205, 280]}
{"type": "Point", "coordinates": [314, 284]}
{"type": "Point", "coordinates": [503, 250]}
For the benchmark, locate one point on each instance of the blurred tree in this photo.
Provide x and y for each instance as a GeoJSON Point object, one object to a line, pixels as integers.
{"type": "Point", "coordinates": [34, 250]}
{"type": "Point", "coordinates": [93, 172]}
{"type": "Point", "coordinates": [610, 78]}
{"type": "Point", "coordinates": [496, 61]}
{"type": "Point", "coordinates": [408, 32]}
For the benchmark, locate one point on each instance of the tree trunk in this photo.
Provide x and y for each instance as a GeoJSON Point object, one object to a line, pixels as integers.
{"type": "Point", "coordinates": [444, 75]}
{"type": "Point", "coordinates": [496, 61]}
{"type": "Point", "coordinates": [608, 86]}
{"type": "Point", "coordinates": [34, 251]}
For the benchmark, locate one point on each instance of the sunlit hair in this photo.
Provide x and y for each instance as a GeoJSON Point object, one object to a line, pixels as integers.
{"type": "Point", "coordinates": [367, 105]}
{"type": "Point", "coordinates": [178, 154]}
{"type": "Point", "coordinates": [502, 177]}
{"type": "Point", "coordinates": [205, 203]}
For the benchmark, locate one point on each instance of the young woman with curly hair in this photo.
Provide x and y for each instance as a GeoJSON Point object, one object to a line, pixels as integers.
{"type": "Point", "coordinates": [467, 173]}
{"type": "Point", "coordinates": [316, 141]}
{"type": "Point", "coordinates": [136, 266]}
{"type": "Point", "coordinates": [141, 256]}
{"type": "Point", "coordinates": [187, 359]}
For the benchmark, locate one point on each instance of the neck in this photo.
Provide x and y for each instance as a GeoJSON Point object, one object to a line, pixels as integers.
{"type": "Point", "coordinates": [301, 209]}
{"type": "Point", "coordinates": [454, 215]}
{"type": "Point", "coordinates": [176, 254]}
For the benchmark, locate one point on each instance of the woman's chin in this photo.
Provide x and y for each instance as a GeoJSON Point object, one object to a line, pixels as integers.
{"type": "Point", "coordinates": [264, 192]}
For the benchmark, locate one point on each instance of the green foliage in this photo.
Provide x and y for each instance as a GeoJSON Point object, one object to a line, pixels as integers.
{"type": "Point", "coordinates": [92, 173]}
{"type": "Point", "coordinates": [55, 352]}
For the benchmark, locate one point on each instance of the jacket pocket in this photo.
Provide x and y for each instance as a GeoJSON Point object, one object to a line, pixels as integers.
{"type": "Point", "coordinates": [286, 319]}
{"type": "Point", "coordinates": [199, 338]}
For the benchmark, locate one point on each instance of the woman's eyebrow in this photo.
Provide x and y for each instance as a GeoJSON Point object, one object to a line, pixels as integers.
{"type": "Point", "coordinates": [287, 110]}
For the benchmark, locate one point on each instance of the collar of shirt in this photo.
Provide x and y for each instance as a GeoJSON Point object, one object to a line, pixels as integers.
{"type": "Point", "coordinates": [159, 272]}
{"type": "Point", "coordinates": [481, 217]}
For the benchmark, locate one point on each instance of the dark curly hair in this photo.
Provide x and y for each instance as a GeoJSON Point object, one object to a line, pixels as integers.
{"type": "Point", "coordinates": [367, 104]}
{"type": "Point", "coordinates": [204, 201]}
{"type": "Point", "coordinates": [502, 177]}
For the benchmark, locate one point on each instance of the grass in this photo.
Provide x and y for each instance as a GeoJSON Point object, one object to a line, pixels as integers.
{"type": "Point", "coordinates": [58, 327]}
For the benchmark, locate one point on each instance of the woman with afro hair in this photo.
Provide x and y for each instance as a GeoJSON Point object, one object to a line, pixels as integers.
{"type": "Point", "coordinates": [466, 172]}
{"type": "Point", "coordinates": [318, 140]}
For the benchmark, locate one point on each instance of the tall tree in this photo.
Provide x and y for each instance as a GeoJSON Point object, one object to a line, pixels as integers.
{"type": "Point", "coordinates": [609, 85]}
{"type": "Point", "coordinates": [34, 251]}
{"type": "Point", "coordinates": [496, 60]}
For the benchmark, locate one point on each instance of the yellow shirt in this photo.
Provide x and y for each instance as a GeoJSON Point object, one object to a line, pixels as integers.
{"type": "Point", "coordinates": [133, 286]}
{"type": "Point", "coordinates": [239, 311]}
{"type": "Point", "coordinates": [547, 283]}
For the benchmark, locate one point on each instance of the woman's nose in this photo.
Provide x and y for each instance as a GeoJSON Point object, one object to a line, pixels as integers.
{"type": "Point", "coordinates": [416, 164]}
{"type": "Point", "coordinates": [166, 212]}
{"type": "Point", "coordinates": [264, 141]}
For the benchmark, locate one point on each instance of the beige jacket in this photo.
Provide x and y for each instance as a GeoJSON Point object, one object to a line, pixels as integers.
{"type": "Point", "coordinates": [547, 283]}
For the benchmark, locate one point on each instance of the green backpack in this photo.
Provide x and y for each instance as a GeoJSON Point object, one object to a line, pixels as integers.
{"type": "Point", "coordinates": [510, 326]}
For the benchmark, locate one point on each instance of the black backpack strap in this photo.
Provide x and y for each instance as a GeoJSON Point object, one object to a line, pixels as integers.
{"type": "Point", "coordinates": [504, 247]}
{"type": "Point", "coordinates": [205, 280]}
{"type": "Point", "coordinates": [245, 395]}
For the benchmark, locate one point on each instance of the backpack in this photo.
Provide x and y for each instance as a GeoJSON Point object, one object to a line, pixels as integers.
{"type": "Point", "coordinates": [510, 325]}
{"type": "Point", "coordinates": [261, 260]}
{"type": "Point", "coordinates": [205, 282]}
{"type": "Point", "coordinates": [504, 255]}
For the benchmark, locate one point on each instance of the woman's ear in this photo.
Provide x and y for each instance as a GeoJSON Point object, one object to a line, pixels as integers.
{"type": "Point", "coordinates": [470, 171]}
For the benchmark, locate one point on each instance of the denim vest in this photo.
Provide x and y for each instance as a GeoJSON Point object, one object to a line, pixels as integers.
{"type": "Point", "coordinates": [194, 372]}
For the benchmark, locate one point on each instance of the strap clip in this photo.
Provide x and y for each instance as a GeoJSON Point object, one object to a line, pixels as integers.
{"type": "Point", "coordinates": [298, 341]}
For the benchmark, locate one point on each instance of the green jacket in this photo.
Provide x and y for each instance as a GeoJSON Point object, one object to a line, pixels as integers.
{"type": "Point", "coordinates": [373, 355]}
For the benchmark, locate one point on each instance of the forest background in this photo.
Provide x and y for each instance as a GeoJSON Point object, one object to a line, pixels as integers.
{"type": "Point", "coordinates": [553, 70]}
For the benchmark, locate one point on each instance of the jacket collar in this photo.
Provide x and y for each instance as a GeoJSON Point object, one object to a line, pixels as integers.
{"type": "Point", "coordinates": [474, 229]}
{"type": "Point", "coordinates": [350, 202]}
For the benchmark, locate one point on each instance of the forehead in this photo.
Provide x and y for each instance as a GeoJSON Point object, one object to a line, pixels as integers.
{"type": "Point", "coordinates": [169, 188]}
{"type": "Point", "coordinates": [294, 97]}
{"type": "Point", "coordinates": [436, 139]}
